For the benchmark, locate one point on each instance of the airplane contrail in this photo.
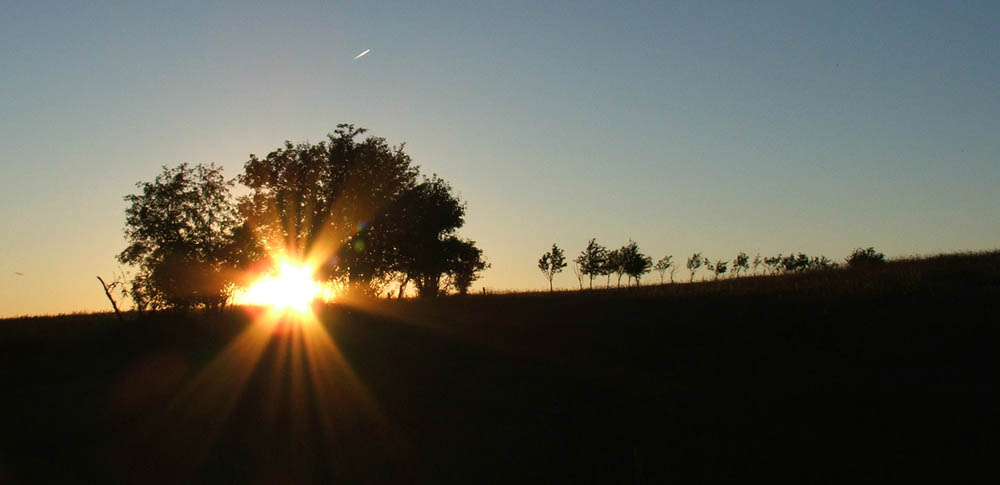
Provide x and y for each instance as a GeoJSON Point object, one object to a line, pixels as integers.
{"type": "Point", "coordinates": [361, 54]}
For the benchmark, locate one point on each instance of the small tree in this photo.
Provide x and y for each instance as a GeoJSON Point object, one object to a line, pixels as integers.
{"type": "Point", "coordinates": [793, 263]}
{"type": "Point", "coordinates": [741, 263]}
{"type": "Point", "coordinates": [861, 258]}
{"type": "Point", "coordinates": [719, 268]}
{"type": "Point", "coordinates": [663, 265]}
{"type": "Point", "coordinates": [615, 264]}
{"type": "Point", "coordinates": [773, 263]}
{"type": "Point", "coordinates": [551, 263]}
{"type": "Point", "coordinates": [592, 260]}
{"type": "Point", "coordinates": [578, 272]}
{"type": "Point", "coordinates": [634, 262]}
{"type": "Point", "coordinates": [757, 261]}
{"type": "Point", "coordinates": [693, 263]}
{"type": "Point", "coordinates": [821, 262]}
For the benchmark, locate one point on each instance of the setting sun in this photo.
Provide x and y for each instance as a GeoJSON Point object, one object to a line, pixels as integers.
{"type": "Point", "coordinates": [290, 288]}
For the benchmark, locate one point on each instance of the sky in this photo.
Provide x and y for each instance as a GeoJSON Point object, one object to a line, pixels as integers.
{"type": "Point", "coordinates": [705, 126]}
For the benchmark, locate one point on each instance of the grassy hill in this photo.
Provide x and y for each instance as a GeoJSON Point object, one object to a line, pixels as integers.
{"type": "Point", "coordinates": [880, 374]}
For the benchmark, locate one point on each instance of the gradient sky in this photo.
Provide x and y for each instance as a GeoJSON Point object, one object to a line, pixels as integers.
{"type": "Point", "coordinates": [701, 126]}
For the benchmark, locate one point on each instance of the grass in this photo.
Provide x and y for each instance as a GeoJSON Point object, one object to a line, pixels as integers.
{"type": "Point", "coordinates": [881, 374]}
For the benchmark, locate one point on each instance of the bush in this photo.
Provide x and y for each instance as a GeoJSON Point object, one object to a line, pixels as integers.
{"type": "Point", "coordinates": [865, 258]}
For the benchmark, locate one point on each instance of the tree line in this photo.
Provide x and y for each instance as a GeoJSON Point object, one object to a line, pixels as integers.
{"type": "Point", "coordinates": [358, 208]}
{"type": "Point", "coordinates": [596, 260]}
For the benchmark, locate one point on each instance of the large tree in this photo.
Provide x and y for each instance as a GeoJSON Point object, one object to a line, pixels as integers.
{"type": "Point", "coordinates": [356, 207]}
{"type": "Point", "coordinates": [184, 236]}
{"type": "Point", "coordinates": [415, 239]}
{"type": "Point", "coordinates": [316, 200]}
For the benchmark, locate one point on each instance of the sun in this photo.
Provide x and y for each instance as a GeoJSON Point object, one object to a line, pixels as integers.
{"type": "Point", "coordinates": [290, 288]}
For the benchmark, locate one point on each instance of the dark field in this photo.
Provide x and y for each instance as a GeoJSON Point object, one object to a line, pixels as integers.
{"type": "Point", "coordinates": [886, 374]}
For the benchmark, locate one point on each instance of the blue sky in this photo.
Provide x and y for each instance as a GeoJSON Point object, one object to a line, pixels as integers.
{"type": "Point", "coordinates": [701, 126]}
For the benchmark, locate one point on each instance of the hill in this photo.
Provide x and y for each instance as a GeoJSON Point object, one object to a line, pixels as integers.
{"type": "Point", "coordinates": [877, 374]}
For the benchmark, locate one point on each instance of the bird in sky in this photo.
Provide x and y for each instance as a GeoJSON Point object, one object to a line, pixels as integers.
{"type": "Point", "coordinates": [361, 54]}
{"type": "Point", "coordinates": [19, 273]}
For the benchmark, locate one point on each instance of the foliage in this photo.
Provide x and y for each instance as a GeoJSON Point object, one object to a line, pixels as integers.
{"type": "Point", "coordinates": [415, 239]}
{"type": "Point", "coordinates": [333, 198]}
{"type": "Point", "coordinates": [551, 263]}
{"type": "Point", "coordinates": [356, 205]}
{"type": "Point", "coordinates": [466, 264]}
{"type": "Point", "coordinates": [593, 260]}
{"type": "Point", "coordinates": [773, 263]}
{"type": "Point", "coordinates": [182, 235]}
{"type": "Point", "coordinates": [693, 263]}
{"type": "Point", "coordinates": [741, 263]}
{"type": "Point", "coordinates": [719, 268]}
{"type": "Point", "coordinates": [614, 263]}
{"type": "Point", "coordinates": [663, 265]}
{"type": "Point", "coordinates": [634, 262]}
{"type": "Point", "coordinates": [865, 258]}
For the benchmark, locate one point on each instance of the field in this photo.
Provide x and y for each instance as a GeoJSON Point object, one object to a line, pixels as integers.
{"type": "Point", "coordinates": [879, 374]}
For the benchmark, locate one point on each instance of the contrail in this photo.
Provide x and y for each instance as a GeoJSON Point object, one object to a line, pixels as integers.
{"type": "Point", "coordinates": [361, 54]}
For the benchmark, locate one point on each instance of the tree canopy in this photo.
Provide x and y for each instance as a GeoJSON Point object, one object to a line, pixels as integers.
{"type": "Point", "coordinates": [184, 235]}
{"type": "Point", "coordinates": [552, 262]}
{"type": "Point", "coordinates": [357, 209]}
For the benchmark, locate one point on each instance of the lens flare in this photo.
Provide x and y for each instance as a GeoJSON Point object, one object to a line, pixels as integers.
{"type": "Point", "coordinates": [289, 289]}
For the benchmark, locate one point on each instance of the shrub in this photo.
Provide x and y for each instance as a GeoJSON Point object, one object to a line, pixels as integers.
{"type": "Point", "coordinates": [865, 258]}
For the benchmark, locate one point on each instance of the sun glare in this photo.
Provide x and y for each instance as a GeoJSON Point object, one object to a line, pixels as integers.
{"type": "Point", "coordinates": [290, 288]}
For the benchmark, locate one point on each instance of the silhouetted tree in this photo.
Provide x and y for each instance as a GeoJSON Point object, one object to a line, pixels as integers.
{"type": "Point", "coordinates": [719, 268]}
{"type": "Point", "coordinates": [757, 261]}
{"type": "Point", "coordinates": [860, 258]}
{"type": "Point", "coordinates": [821, 262]}
{"type": "Point", "coordinates": [593, 260]}
{"type": "Point", "coordinates": [413, 239]}
{"type": "Point", "coordinates": [693, 263]}
{"type": "Point", "coordinates": [665, 263]}
{"type": "Point", "coordinates": [551, 263]}
{"type": "Point", "coordinates": [466, 264]}
{"type": "Point", "coordinates": [578, 272]}
{"type": "Point", "coordinates": [117, 285]}
{"type": "Point", "coordinates": [614, 263]}
{"type": "Point", "coordinates": [773, 263]}
{"type": "Point", "coordinates": [793, 263]}
{"type": "Point", "coordinates": [335, 201]}
{"type": "Point", "coordinates": [634, 262]}
{"type": "Point", "coordinates": [181, 230]}
{"type": "Point", "coordinates": [357, 206]}
{"type": "Point", "coordinates": [741, 263]}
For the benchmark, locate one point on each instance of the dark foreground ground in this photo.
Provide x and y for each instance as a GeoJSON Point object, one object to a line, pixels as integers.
{"type": "Point", "coordinates": [880, 375]}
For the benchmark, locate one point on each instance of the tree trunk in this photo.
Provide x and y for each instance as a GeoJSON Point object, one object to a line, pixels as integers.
{"type": "Point", "coordinates": [114, 305]}
{"type": "Point", "coordinates": [402, 287]}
